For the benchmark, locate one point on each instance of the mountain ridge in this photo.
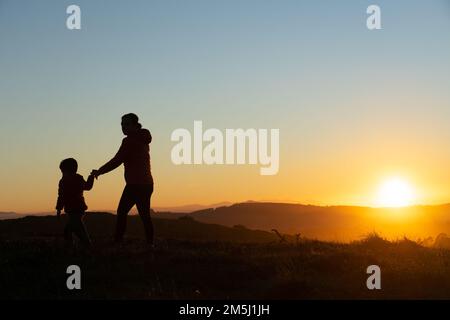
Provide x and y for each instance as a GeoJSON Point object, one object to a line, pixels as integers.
{"type": "Point", "coordinates": [330, 223]}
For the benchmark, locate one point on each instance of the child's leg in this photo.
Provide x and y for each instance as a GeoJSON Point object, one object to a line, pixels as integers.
{"type": "Point", "coordinates": [80, 230]}
{"type": "Point", "coordinates": [68, 231]}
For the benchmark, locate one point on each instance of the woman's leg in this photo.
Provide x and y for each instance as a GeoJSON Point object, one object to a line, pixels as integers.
{"type": "Point", "coordinates": [144, 194]}
{"type": "Point", "coordinates": [127, 201]}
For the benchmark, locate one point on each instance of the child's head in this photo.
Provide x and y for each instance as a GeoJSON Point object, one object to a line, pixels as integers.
{"type": "Point", "coordinates": [69, 166]}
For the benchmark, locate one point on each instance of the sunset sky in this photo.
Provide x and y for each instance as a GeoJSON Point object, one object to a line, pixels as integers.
{"type": "Point", "coordinates": [354, 107]}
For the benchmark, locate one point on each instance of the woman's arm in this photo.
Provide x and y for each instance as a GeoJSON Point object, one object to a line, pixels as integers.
{"type": "Point", "coordinates": [112, 164]}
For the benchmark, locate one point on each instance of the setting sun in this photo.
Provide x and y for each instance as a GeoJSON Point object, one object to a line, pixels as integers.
{"type": "Point", "coordinates": [395, 192]}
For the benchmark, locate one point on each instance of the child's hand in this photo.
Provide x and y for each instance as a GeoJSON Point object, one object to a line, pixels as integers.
{"type": "Point", "coordinates": [94, 173]}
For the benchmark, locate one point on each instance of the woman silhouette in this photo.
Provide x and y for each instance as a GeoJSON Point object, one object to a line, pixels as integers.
{"type": "Point", "coordinates": [134, 153]}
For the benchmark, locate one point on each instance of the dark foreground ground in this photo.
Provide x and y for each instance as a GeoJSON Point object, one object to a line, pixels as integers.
{"type": "Point", "coordinates": [183, 266]}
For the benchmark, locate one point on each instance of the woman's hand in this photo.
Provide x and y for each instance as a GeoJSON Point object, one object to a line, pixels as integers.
{"type": "Point", "coordinates": [95, 173]}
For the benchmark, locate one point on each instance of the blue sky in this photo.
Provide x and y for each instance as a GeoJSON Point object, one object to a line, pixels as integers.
{"type": "Point", "coordinates": [310, 68]}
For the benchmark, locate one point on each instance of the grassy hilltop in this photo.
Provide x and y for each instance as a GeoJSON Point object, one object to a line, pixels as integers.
{"type": "Point", "coordinates": [201, 261]}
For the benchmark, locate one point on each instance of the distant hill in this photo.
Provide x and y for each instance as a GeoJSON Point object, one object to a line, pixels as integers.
{"type": "Point", "coordinates": [341, 223]}
{"type": "Point", "coordinates": [9, 215]}
{"type": "Point", "coordinates": [102, 225]}
{"type": "Point", "coordinates": [329, 223]}
{"type": "Point", "coordinates": [191, 207]}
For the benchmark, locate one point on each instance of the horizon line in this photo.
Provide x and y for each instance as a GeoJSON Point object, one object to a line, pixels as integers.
{"type": "Point", "coordinates": [229, 203]}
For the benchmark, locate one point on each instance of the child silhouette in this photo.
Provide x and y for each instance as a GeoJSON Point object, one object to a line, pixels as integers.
{"type": "Point", "coordinates": [70, 198]}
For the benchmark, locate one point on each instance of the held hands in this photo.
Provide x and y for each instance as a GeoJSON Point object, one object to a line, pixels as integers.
{"type": "Point", "coordinates": [95, 173]}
